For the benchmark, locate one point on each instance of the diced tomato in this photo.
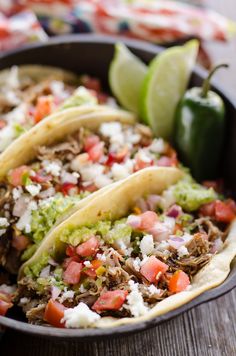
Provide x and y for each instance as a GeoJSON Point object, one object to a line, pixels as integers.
{"type": "Point", "coordinates": [224, 212]}
{"type": "Point", "coordinates": [208, 209]}
{"type": "Point", "coordinates": [178, 282]}
{"type": "Point", "coordinates": [96, 152]}
{"type": "Point", "coordinates": [91, 271]}
{"type": "Point", "coordinates": [153, 269]}
{"type": "Point", "coordinates": [20, 242]}
{"type": "Point", "coordinates": [141, 164]}
{"type": "Point", "coordinates": [41, 177]}
{"type": "Point", "coordinates": [69, 189]}
{"type": "Point", "coordinates": [16, 175]}
{"type": "Point", "coordinates": [90, 141]}
{"type": "Point", "coordinates": [4, 306]}
{"type": "Point", "coordinates": [148, 220]}
{"type": "Point", "coordinates": [54, 312]}
{"type": "Point", "coordinates": [43, 108]}
{"type": "Point", "coordinates": [68, 260]}
{"type": "Point", "coordinates": [70, 251]}
{"type": "Point", "coordinates": [111, 300]}
{"type": "Point", "coordinates": [220, 211]}
{"type": "Point", "coordinates": [72, 273]}
{"type": "Point", "coordinates": [117, 157]}
{"type": "Point", "coordinates": [2, 123]}
{"type": "Point", "coordinates": [89, 247]}
{"type": "Point", "coordinates": [91, 83]}
{"type": "Point", "coordinates": [167, 162]}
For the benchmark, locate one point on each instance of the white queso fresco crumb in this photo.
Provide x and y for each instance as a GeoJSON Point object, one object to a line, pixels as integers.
{"type": "Point", "coordinates": [79, 317]}
{"type": "Point", "coordinates": [135, 301]}
{"type": "Point", "coordinates": [147, 245]}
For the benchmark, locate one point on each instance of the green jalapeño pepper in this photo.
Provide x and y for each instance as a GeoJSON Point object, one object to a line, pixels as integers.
{"type": "Point", "coordinates": [199, 129]}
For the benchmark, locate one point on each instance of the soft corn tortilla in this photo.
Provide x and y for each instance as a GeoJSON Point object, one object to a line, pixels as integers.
{"type": "Point", "coordinates": [39, 73]}
{"type": "Point", "coordinates": [116, 203]}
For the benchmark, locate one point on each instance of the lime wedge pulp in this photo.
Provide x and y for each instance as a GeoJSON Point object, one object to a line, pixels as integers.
{"type": "Point", "coordinates": [164, 85]}
{"type": "Point", "coordinates": [126, 75]}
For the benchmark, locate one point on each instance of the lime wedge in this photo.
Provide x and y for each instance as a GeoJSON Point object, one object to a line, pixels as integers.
{"type": "Point", "coordinates": [126, 75]}
{"type": "Point", "coordinates": [165, 84]}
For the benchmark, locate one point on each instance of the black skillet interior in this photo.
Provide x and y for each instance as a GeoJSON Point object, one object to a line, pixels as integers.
{"type": "Point", "coordinates": [92, 54]}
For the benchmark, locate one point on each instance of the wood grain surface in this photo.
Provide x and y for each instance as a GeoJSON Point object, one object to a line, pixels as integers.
{"type": "Point", "coordinates": [208, 330]}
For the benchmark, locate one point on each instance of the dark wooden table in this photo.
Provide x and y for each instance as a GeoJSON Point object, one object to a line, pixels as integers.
{"type": "Point", "coordinates": [209, 329]}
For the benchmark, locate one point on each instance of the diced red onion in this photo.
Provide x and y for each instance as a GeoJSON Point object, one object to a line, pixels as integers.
{"type": "Point", "coordinates": [160, 232]}
{"type": "Point", "coordinates": [19, 207]}
{"type": "Point", "coordinates": [152, 201]}
{"type": "Point", "coordinates": [176, 242]}
{"type": "Point", "coordinates": [217, 245]}
{"type": "Point", "coordinates": [134, 221]}
{"type": "Point", "coordinates": [174, 211]}
{"type": "Point", "coordinates": [55, 292]}
{"type": "Point", "coordinates": [45, 272]}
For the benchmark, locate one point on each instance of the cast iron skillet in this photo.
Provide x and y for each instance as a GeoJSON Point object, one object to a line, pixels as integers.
{"type": "Point", "coordinates": [92, 54]}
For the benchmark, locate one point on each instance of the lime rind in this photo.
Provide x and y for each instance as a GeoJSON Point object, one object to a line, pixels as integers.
{"type": "Point", "coordinates": [126, 75]}
{"type": "Point", "coordinates": [164, 85]}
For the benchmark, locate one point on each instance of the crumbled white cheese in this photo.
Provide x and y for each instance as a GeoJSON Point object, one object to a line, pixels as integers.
{"type": "Point", "coordinates": [67, 295]}
{"type": "Point", "coordinates": [132, 137]}
{"type": "Point", "coordinates": [7, 289]}
{"type": "Point", "coordinates": [24, 301]}
{"type": "Point", "coordinates": [33, 189]}
{"type": "Point", "coordinates": [144, 156]}
{"type": "Point", "coordinates": [136, 264]}
{"type": "Point", "coordinates": [87, 264]}
{"type": "Point", "coordinates": [52, 168]}
{"type": "Point", "coordinates": [82, 289]}
{"type": "Point", "coordinates": [101, 257]}
{"type": "Point", "coordinates": [17, 192]}
{"type": "Point", "coordinates": [169, 223]}
{"type": "Point", "coordinates": [91, 172]}
{"type": "Point", "coordinates": [50, 192]}
{"type": "Point", "coordinates": [168, 199]}
{"type": "Point", "coordinates": [147, 245]}
{"type": "Point", "coordinates": [25, 220]}
{"type": "Point", "coordinates": [162, 246]}
{"type": "Point", "coordinates": [4, 222]}
{"type": "Point", "coordinates": [102, 181]}
{"type": "Point", "coordinates": [67, 177]}
{"type": "Point", "coordinates": [120, 171]}
{"type": "Point", "coordinates": [117, 140]}
{"type": "Point", "coordinates": [153, 289]}
{"type": "Point", "coordinates": [157, 145]}
{"type": "Point", "coordinates": [135, 301]}
{"type": "Point", "coordinates": [144, 260]}
{"type": "Point", "coordinates": [183, 251]}
{"type": "Point", "coordinates": [79, 317]}
{"type": "Point", "coordinates": [110, 129]}
{"type": "Point", "coordinates": [80, 161]}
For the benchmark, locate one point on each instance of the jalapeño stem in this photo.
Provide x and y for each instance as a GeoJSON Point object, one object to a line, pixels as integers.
{"type": "Point", "coordinates": [207, 81]}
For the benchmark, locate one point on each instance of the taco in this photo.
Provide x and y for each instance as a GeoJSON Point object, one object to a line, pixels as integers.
{"type": "Point", "coordinates": [29, 93]}
{"type": "Point", "coordinates": [144, 247]}
{"type": "Point", "coordinates": [46, 172]}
